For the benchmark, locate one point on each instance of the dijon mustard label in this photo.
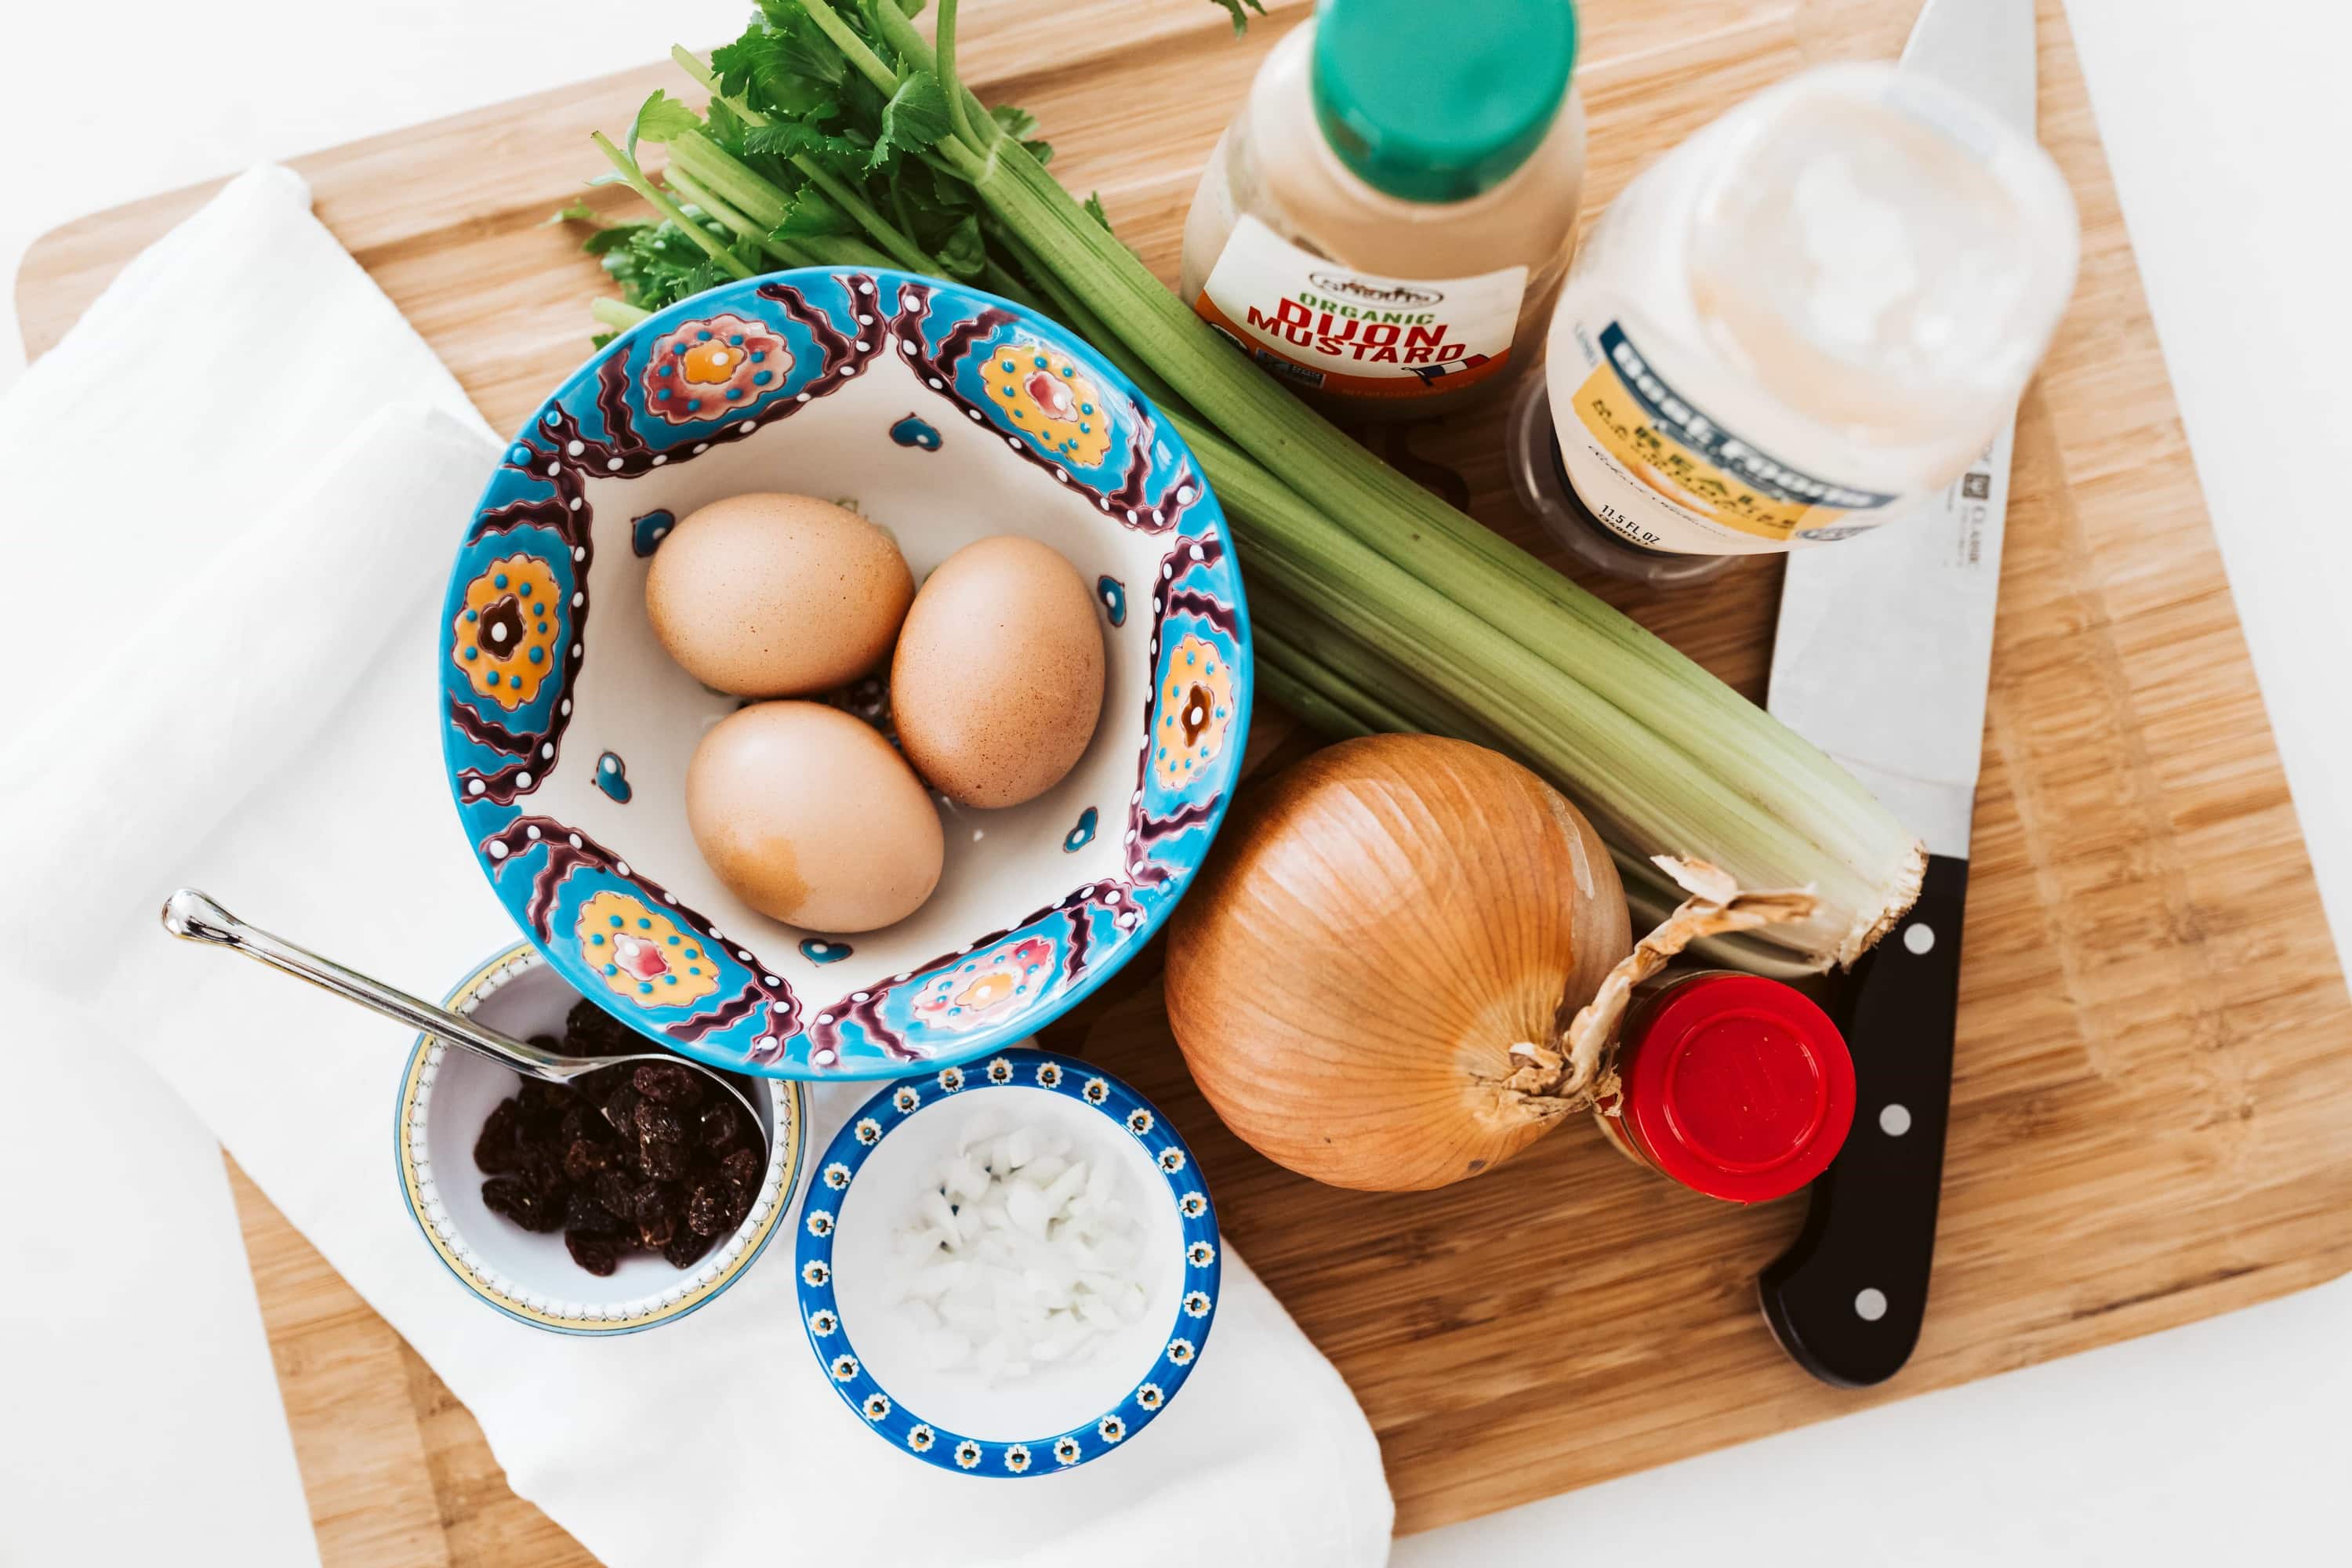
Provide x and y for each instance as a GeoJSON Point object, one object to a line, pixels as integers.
{"type": "Point", "coordinates": [1337, 330]}
{"type": "Point", "coordinates": [1656, 469]}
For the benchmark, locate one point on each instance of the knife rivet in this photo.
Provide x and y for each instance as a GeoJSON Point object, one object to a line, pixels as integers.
{"type": "Point", "coordinates": [1918, 937]}
{"type": "Point", "coordinates": [1870, 1305]}
{"type": "Point", "coordinates": [1894, 1120]}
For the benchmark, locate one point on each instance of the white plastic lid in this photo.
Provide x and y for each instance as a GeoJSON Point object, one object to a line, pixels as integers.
{"type": "Point", "coordinates": [1881, 251]}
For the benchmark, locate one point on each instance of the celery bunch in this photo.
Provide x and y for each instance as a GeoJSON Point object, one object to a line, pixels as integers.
{"type": "Point", "coordinates": [836, 134]}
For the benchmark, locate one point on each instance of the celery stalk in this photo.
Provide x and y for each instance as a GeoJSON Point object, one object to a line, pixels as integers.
{"type": "Point", "coordinates": [615, 314]}
{"type": "Point", "coordinates": [1330, 704]}
{"type": "Point", "coordinates": [1296, 691]}
{"type": "Point", "coordinates": [707, 162]}
{"type": "Point", "coordinates": [659, 200]}
{"type": "Point", "coordinates": [780, 252]}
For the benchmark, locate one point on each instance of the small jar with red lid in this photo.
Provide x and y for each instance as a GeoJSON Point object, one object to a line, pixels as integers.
{"type": "Point", "coordinates": [1733, 1085]}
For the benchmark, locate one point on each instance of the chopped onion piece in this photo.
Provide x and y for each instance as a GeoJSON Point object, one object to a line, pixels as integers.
{"type": "Point", "coordinates": [1021, 1252]}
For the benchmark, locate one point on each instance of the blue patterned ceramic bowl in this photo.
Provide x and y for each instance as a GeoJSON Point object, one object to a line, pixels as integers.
{"type": "Point", "coordinates": [1059, 1417]}
{"type": "Point", "coordinates": [946, 416]}
{"type": "Point", "coordinates": [445, 1095]}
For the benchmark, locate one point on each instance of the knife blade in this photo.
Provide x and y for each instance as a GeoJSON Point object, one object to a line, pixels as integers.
{"type": "Point", "coordinates": [1881, 659]}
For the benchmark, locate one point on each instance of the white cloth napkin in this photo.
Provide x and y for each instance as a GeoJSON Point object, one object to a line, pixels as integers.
{"type": "Point", "coordinates": [300, 784]}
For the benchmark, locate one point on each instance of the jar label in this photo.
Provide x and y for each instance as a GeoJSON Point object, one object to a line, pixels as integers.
{"type": "Point", "coordinates": [1337, 329]}
{"type": "Point", "coordinates": [1657, 470]}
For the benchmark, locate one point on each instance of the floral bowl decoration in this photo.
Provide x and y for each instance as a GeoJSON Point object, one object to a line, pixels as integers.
{"type": "Point", "coordinates": [447, 1093]}
{"type": "Point", "coordinates": [946, 416]}
{"type": "Point", "coordinates": [1061, 1415]}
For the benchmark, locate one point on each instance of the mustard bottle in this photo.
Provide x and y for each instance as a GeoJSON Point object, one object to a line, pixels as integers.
{"type": "Point", "coordinates": [1386, 223]}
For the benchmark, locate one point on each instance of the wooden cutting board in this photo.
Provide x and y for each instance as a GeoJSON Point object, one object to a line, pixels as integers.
{"type": "Point", "coordinates": [2152, 1119]}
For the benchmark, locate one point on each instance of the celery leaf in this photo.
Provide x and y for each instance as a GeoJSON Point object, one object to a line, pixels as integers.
{"type": "Point", "coordinates": [781, 71]}
{"type": "Point", "coordinates": [965, 253]}
{"type": "Point", "coordinates": [724, 126]}
{"type": "Point", "coordinates": [790, 138]}
{"type": "Point", "coordinates": [915, 118]}
{"type": "Point", "coordinates": [616, 235]}
{"type": "Point", "coordinates": [809, 215]}
{"type": "Point", "coordinates": [659, 118]}
{"type": "Point", "coordinates": [654, 264]}
{"type": "Point", "coordinates": [1241, 19]}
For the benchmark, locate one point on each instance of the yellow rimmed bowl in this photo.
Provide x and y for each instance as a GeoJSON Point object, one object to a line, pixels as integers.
{"type": "Point", "coordinates": [447, 1093]}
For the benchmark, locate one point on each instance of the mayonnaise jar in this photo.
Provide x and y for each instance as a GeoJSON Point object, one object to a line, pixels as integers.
{"type": "Point", "coordinates": [1805, 318]}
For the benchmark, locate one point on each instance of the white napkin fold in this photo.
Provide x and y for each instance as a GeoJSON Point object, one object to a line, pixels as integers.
{"type": "Point", "coordinates": [305, 791]}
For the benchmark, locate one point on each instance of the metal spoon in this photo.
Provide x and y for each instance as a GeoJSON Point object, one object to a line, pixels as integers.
{"type": "Point", "coordinates": [193, 916]}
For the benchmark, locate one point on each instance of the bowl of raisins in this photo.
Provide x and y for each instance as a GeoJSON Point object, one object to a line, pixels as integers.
{"type": "Point", "coordinates": [624, 1200]}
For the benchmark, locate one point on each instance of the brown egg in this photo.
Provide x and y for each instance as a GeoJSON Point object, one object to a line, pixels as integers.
{"type": "Point", "coordinates": [810, 817]}
{"type": "Point", "coordinates": [998, 678]}
{"type": "Point", "coordinates": [777, 595]}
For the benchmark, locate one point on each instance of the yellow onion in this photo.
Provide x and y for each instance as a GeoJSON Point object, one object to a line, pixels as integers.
{"type": "Point", "coordinates": [1370, 976]}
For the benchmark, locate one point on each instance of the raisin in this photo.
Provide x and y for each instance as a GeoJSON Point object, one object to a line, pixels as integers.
{"type": "Point", "coordinates": [668, 1082]}
{"type": "Point", "coordinates": [542, 1167]}
{"type": "Point", "coordinates": [721, 1124]}
{"type": "Point", "coordinates": [495, 1152]}
{"type": "Point", "coordinates": [657, 1234]}
{"type": "Point", "coordinates": [519, 1202]}
{"type": "Point", "coordinates": [585, 1158]}
{"type": "Point", "coordinates": [686, 1250]}
{"type": "Point", "coordinates": [543, 1103]}
{"type": "Point", "coordinates": [509, 1196]}
{"type": "Point", "coordinates": [653, 1202]}
{"type": "Point", "coordinates": [589, 1031]}
{"type": "Point", "coordinates": [602, 1083]}
{"type": "Point", "coordinates": [663, 1160]}
{"type": "Point", "coordinates": [619, 1111]}
{"type": "Point", "coordinates": [659, 1123]}
{"type": "Point", "coordinates": [702, 1211]}
{"type": "Point", "coordinates": [740, 1169]}
{"type": "Point", "coordinates": [600, 1255]}
{"type": "Point", "coordinates": [614, 1190]}
{"type": "Point", "coordinates": [736, 1209]}
{"type": "Point", "coordinates": [581, 1212]}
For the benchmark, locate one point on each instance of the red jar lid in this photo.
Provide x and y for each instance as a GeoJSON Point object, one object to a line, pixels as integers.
{"type": "Point", "coordinates": [1738, 1087]}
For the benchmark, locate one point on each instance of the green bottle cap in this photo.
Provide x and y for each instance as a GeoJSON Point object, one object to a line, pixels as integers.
{"type": "Point", "coordinates": [1436, 101]}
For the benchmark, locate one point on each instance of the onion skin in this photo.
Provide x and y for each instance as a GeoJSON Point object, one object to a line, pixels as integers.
{"type": "Point", "coordinates": [1377, 929]}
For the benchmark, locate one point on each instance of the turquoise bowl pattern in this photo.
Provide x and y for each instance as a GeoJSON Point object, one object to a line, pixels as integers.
{"type": "Point", "coordinates": [948, 415]}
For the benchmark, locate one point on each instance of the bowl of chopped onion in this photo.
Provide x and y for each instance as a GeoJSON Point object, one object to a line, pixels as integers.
{"type": "Point", "coordinates": [1010, 1268]}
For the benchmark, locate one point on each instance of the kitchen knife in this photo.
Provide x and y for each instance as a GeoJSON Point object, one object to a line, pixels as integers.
{"type": "Point", "coordinates": [1881, 658]}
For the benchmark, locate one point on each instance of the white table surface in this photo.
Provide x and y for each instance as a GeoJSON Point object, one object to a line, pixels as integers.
{"type": "Point", "coordinates": [2225, 125]}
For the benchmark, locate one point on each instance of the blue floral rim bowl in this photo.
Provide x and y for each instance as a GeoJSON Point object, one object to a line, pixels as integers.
{"type": "Point", "coordinates": [869, 1183]}
{"type": "Point", "coordinates": [946, 416]}
{"type": "Point", "coordinates": [445, 1095]}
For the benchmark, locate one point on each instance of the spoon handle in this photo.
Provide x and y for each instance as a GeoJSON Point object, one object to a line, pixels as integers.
{"type": "Point", "coordinates": [193, 916]}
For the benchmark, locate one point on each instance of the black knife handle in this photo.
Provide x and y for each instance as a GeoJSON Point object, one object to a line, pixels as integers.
{"type": "Point", "coordinates": [1848, 1296]}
